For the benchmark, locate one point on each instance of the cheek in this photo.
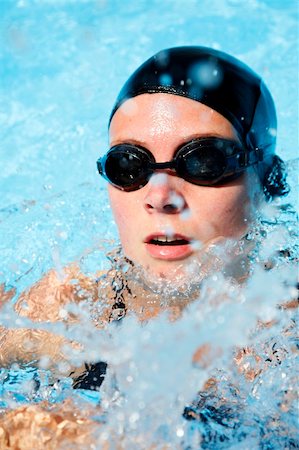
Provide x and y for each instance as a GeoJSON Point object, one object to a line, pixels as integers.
{"type": "Point", "coordinates": [125, 210]}
{"type": "Point", "coordinates": [233, 211]}
{"type": "Point", "coordinates": [118, 206]}
{"type": "Point", "coordinates": [221, 211]}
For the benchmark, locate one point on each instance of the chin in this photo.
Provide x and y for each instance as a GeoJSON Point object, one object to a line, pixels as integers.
{"type": "Point", "coordinates": [178, 271]}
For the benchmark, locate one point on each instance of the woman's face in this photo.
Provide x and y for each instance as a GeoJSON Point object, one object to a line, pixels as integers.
{"type": "Point", "coordinates": [169, 208]}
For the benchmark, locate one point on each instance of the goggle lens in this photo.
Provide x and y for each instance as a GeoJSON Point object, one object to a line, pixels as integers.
{"type": "Point", "coordinates": [203, 164]}
{"type": "Point", "coordinates": [126, 168]}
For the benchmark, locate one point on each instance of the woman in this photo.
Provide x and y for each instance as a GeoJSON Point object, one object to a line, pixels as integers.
{"type": "Point", "coordinates": [192, 138]}
{"type": "Point", "coordinates": [192, 154]}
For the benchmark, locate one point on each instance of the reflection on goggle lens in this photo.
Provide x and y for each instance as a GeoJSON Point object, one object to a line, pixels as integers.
{"type": "Point", "coordinates": [203, 161]}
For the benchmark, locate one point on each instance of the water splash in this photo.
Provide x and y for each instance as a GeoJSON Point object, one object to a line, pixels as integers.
{"type": "Point", "coordinates": [201, 373]}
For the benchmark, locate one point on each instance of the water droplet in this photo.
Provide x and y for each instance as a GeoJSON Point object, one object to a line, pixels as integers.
{"type": "Point", "coordinates": [176, 200]}
{"type": "Point", "coordinates": [134, 417]}
{"type": "Point", "coordinates": [272, 132]}
{"type": "Point", "coordinates": [158, 179]}
{"type": "Point", "coordinates": [207, 74]}
{"type": "Point", "coordinates": [196, 245]}
{"type": "Point", "coordinates": [165, 79]}
{"type": "Point", "coordinates": [185, 214]}
{"type": "Point", "coordinates": [180, 432]}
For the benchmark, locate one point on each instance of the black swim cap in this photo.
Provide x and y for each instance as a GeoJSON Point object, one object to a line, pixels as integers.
{"type": "Point", "coordinates": [219, 81]}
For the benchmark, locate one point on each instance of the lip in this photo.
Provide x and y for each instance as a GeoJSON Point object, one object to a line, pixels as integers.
{"type": "Point", "coordinates": [168, 252]}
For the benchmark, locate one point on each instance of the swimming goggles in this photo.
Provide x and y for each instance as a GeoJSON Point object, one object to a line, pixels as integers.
{"type": "Point", "coordinates": [203, 161]}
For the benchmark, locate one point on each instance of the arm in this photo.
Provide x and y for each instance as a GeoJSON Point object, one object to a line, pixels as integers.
{"type": "Point", "coordinates": [44, 302]}
{"type": "Point", "coordinates": [44, 426]}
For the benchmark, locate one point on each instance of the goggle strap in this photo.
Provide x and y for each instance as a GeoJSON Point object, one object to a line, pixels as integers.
{"type": "Point", "coordinates": [99, 166]}
{"type": "Point", "coordinates": [254, 156]}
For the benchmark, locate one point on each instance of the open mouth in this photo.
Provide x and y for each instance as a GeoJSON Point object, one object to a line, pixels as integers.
{"type": "Point", "coordinates": [174, 247]}
{"type": "Point", "coordinates": [169, 241]}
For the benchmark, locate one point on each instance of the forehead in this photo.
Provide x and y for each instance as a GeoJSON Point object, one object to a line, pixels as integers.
{"type": "Point", "coordinates": [166, 116]}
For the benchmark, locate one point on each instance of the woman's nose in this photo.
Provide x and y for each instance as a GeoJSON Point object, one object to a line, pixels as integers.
{"type": "Point", "coordinates": [163, 196]}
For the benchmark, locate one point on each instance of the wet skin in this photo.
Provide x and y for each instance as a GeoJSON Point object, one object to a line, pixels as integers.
{"type": "Point", "coordinates": [168, 205]}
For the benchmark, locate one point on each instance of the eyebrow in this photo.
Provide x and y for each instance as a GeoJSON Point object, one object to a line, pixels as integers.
{"type": "Point", "coordinates": [128, 141]}
{"type": "Point", "coordinates": [141, 143]}
{"type": "Point", "coordinates": [210, 135]}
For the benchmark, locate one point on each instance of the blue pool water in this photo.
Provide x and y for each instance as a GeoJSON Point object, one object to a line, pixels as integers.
{"type": "Point", "coordinates": [62, 64]}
